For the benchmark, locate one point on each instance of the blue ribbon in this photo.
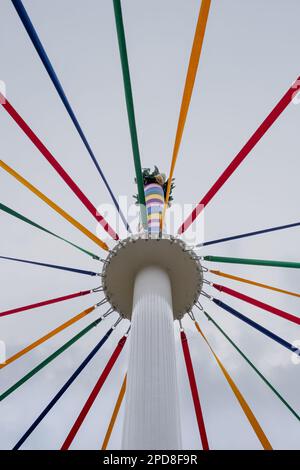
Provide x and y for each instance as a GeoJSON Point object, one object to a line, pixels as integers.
{"type": "Point", "coordinates": [249, 234]}
{"type": "Point", "coordinates": [63, 390]}
{"type": "Point", "coordinates": [54, 78]}
{"type": "Point", "coordinates": [55, 266]}
{"type": "Point", "coordinates": [257, 326]}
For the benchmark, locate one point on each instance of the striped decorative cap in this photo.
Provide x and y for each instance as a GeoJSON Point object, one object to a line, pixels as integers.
{"type": "Point", "coordinates": [154, 195]}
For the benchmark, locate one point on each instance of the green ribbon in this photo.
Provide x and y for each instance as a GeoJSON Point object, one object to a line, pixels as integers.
{"type": "Point", "coordinates": [50, 358]}
{"type": "Point", "coordinates": [253, 366]}
{"type": "Point", "coordinates": [10, 211]}
{"type": "Point", "coordinates": [130, 109]}
{"type": "Point", "coordinates": [255, 262]}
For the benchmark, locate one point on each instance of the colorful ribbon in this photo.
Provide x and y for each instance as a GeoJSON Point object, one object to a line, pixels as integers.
{"type": "Point", "coordinates": [54, 206]}
{"type": "Point", "coordinates": [258, 327]}
{"type": "Point", "coordinates": [93, 395]}
{"type": "Point", "coordinates": [249, 234]}
{"type": "Point", "coordinates": [19, 216]}
{"type": "Point", "coordinates": [258, 303]}
{"type": "Point", "coordinates": [254, 262]}
{"type": "Point", "coordinates": [114, 414]}
{"type": "Point", "coordinates": [49, 359]}
{"type": "Point", "coordinates": [244, 405]}
{"type": "Point", "coordinates": [53, 266]}
{"type": "Point", "coordinates": [188, 87]}
{"type": "Point", "coordinates": [130, 108]}
{"type": "Point", "coordinates": [57, 167]}
{"type": "Point", "coordinates": [253, 283]}
{"type": "Point", "coordinates": [194, 390]}
{"type": "Point", "coordinates": [49, 335]}
{"type": "Point", "coordinates": [63, 390]}
{"type": "Point", "coordinates": [253, 366]}
{"type": "Point", "coordinates": [45, 302]}
{"type": "Point", "coordinates": [240, 157]}
{"type": "Point", "coordinates": [54, 78]}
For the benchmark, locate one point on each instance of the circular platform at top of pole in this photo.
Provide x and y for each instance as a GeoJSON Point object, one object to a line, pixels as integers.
{"type": "Point", "coordinates": [136, 252]}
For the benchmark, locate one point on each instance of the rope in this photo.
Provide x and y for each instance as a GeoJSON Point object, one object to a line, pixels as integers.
{"type": "Point", "coordinates": [189, 85]}
{"type": "Point", "coordinates": [249, 234]}
{"type": "Point", "coordinates": [253, 366]}
{"type": "Point", "coordinates": [49, 335]}
{"type": "Point", "coordinates": [56, 165]}
{"type": "Point", "coordinates": [54, 206]}
{"type": "Point", "coordinates": [44, 302]}
{"type": "Point", "coordinates": [254, 262]}
{"type": "Point", "coordinates": [258, 303]}
{"type": "Point", "coordinates": [114, 414]}
{"type": "Point", "coordinates": [54, 266]}
{"type": "Point", "coordinates": [130, 109]}
{"type": "Point", "coordinates": [19, 216]}
{"type": "Point", "coordinates": [244, 405]}
{"type": "Point", "coordinates": [240, 157]}
{"type": "Point", "coordinates": [54, 78]}
{"type": "Point", "coordinates": [258, 327]}
{"type": "Point", "coordinates": [194, 390]}
{"type": "Point", "coordinates": [63, 389]}
{"type": "Point", "coordinates": [49, 359]}
{"type": "Point", "coordinates": [93, 395]}
{"type": "Point", "coordinates": [253, 283]}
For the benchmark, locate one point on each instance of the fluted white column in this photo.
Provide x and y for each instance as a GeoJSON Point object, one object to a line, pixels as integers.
{"type": "Point", "coordinates": [151, 406]}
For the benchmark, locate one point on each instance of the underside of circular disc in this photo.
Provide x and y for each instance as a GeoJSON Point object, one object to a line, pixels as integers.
{"type": "Point", "coordinates": [134, 253]}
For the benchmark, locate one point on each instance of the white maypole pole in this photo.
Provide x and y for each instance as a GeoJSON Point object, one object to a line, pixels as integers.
{"type": "Point", "coordinates": [152, 412]}
{"type": "Point", "coordinates": [152, 279]}
{"type": "Point", "coordinates": [151, 409]}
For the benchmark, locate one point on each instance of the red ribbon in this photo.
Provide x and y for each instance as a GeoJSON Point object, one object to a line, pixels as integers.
{"type": "Point", "coordinates": [194, 390]}
{"type": "Point", "coordinates": [58, 168]}
{"type": "Point", "coordinates": [254, 139]}
{"type": "Point", "coordinates": [44, 302]}
{"type": "Point", "coordinates": [82, 415]}
{"type": "Point", "coordinates": [258, 303]}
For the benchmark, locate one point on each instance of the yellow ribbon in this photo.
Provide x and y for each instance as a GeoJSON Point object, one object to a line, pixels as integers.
{"type": "Point", "coordinates": [49, 335]}
{"type": "Point", "coordinates": [253, 283]}
{"type": "Point", "coordinates": [115, 414]}
{"type": "Point", "coordinates": [251, 418]}
{"type": "Point", "coordinates": [188, 87]}
{"type": "Point", "coordinates": [53, 205]}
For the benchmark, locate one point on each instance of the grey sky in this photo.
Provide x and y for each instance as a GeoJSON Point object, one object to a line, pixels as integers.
{"type": "Point", "coordinates": [250, 58]}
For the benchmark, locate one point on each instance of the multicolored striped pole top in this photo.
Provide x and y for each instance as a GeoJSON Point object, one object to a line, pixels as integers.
{"type": "Point", "coordinates": [154, 195]}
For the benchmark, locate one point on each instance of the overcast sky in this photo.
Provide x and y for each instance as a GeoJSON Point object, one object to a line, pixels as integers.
{"type": "Point", "coordinates": [250, 58]}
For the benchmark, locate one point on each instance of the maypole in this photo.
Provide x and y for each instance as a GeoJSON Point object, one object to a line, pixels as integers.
{"type": "Point", "coordinates": [151, 279]}
{"type": "Point", "coordinates": [142, 280]}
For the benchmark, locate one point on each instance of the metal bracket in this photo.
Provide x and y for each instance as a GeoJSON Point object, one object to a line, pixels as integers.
{"type": "Point", "coordinates": [97, 289]}
{"type": "Point", "coordinates": [191, 315]}
{"type": "Point", "coordinates": [117, 322]}
{"type": "Point", "coordinates": [205, 294]}
{"type": "Point", "coordinates": [102, 302]}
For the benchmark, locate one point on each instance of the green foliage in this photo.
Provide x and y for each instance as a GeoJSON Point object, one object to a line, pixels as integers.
{"type": "Point", "coordinates": [150, 177]}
